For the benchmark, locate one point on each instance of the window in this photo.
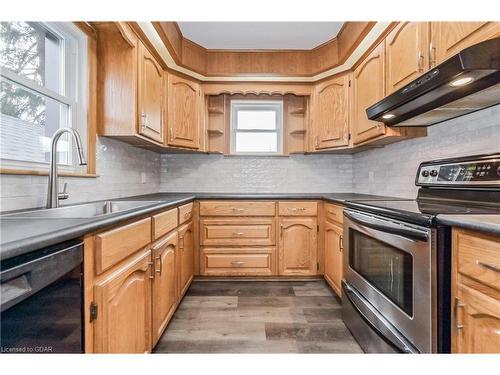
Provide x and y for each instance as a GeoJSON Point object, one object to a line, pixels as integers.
{"type": "Point", "coordinates": [43, 87]}
{"type": "Point", "coordinates": [256, 127]}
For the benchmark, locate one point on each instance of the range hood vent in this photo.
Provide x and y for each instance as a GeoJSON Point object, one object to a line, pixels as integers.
{"type": "Point", "coordinates": [466, 82]}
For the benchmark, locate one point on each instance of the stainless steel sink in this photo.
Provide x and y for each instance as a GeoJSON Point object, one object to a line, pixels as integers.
{"type": "Point", "coordinates": [81, 211]}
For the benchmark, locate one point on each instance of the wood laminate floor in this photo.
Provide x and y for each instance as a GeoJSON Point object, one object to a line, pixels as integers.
{"type": "Point", "coordinates": [258, 317]}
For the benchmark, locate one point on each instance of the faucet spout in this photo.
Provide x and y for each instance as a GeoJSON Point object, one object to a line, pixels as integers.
{"type": "Point", "coordinates": [53, 185]}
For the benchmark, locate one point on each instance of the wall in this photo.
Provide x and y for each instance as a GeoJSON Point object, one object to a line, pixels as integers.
{"type": "Point", "coordinates": [123, 171]}
{"type": "Point", "coordinates": [245, 174]}
{"type": "Point", "coordinates": [391, 170]}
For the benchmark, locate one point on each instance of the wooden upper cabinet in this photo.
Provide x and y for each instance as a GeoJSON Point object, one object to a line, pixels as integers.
{"type": "Point", "coordinates": [368, 88]}
{"type": "Point", "coordinates": [406, 51]}
{"type": "Point", "coordinates": [184, 98]}
{"type": "Point", "coordinates": [123, 298]}
{"type": "Point", "coordinates": [449, 38]}
{"type": "Point", "coordinates": [165, 287]}
{"type": "Point", "coordinates": [298, 246]}
{"type": "Point", "coordinates": [333, 256]}
{"type": "Point", "coordinates": [330, 114]}
{"type": "Point", "coordinates": [186, 255]}
{"type": "Point", "coordinates": [150, 96]}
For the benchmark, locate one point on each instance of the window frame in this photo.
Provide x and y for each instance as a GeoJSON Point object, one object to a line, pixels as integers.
{"type": "Point", "coordinates": [75, 92]}
{"type": "Point", "coordinates": [257, 105]}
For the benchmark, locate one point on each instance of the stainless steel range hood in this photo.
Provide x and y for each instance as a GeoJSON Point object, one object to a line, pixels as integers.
{"type": "Point", "coordinates": [466, 82]}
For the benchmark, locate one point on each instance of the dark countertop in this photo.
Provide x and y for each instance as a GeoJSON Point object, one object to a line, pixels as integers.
{"type": "Point", "coordinates": [482, 223]}
{"type": "Point", "coordinates": [22, 235]}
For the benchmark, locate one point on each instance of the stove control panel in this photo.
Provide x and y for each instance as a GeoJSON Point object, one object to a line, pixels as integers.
{"type": "Point", "coordinates": [479, 171]}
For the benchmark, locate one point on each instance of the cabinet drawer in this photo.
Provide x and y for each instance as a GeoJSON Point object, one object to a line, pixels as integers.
{"type": "Point", "coordinates": [478, 257]}
{"type": "Point", "coordinates": [164, 223]}
{"type": "Point", "coordinates": [237, 261]}
{"type": "Point", "coordinates": [298, 208]}
{"type": "Point", "coordinates": [334, 212]}
{"type": "Point", "coordinates": [185, 212]}
{"type": "Point", "coordinates": [117, 244]}
{"type": "Point", "coordinates": [237, 232]}
{"type": "Point", "coordinates": [237, 208]}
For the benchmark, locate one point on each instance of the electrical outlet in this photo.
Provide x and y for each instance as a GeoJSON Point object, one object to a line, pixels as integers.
{"type": "Point", "coordinates": [143, 177]}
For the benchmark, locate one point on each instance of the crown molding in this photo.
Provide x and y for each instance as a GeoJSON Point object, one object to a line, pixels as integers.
{"type": "Point", "coordinates": [333, 57]}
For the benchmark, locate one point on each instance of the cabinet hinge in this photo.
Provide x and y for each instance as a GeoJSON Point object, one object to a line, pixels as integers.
{"type": "Point", "coordinates": [93, 311]}
{"type": "Point", "coordinates": [317, 266]}
{"type": "Point", "coordinates": [349, 137]}
{"type": "Point", "coordinates": [317, 228]}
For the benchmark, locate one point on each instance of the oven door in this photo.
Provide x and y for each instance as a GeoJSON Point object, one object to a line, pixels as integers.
{"type": "Point", "coordinates": [390, 264]}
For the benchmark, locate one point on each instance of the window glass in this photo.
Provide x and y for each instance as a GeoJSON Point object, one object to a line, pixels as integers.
{"type": "Point", "coordinates": [42, 88]}
{"type": "Point", "coordinates": [256, 127]}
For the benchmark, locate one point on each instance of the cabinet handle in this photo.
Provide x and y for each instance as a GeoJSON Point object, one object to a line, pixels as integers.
{"type": "Point", "coordinates": [151, 272]}
{"type": "Point", "coordinates": [420, 62]}
{"type": "Point", "coordinates": [187, 214]}
{"type": "Point", "coordinates": [143, 118]}
{"type": "Point", "coordinates": [432, 55]}
{"type": "Point", "coordinates": [237, 263]}
{"type": "Point", "coordinates": [316, 141]}
{"type": "Point", "coordinates": [161, 265]}
{"type": "Point", "coordinates": [181, 243]}
{"type": "Point", "coordinates": [341, 243]}
{"type": "Point", "coordinates": [457, 305]}
{"type": "Point", "coordinates": [281, 230]}
{"type": "Point", "coordinates": [491, 267]}
{"type": "Point", "coordinates": [295, 209]}
{"type": "Point", "coordinates": [238, 210]}
{"type": "Point", "coordinates": [171, 134]}
{"type": "Point", "coordinates": [235, 234]}
{"type": "Point", "coordinates": [332, 212]}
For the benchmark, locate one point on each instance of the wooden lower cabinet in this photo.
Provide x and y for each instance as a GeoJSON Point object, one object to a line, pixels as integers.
{"type": "Point", "coordinates": [238, 261]}
{"type": "Point", "coordinates": [477, 323]}
{"type": "Point", "coordinates": [475, 292]}
{"type": "Point", "coordinates": [298, 246]}
{"type": "Point", "coordinates": [186, 256]}
{"type": "Point", "coordinates": [165, 286]}
{"type": "Point", "coordinates": [333, 256]}
{"type": "Point", "coordinates": [123, 298]}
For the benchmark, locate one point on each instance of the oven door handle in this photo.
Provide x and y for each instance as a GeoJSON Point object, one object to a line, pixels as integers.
{"type": "Point", "coordinates": [387, 226]}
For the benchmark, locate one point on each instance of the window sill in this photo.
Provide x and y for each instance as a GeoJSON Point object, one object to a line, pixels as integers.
{"type": "Point", "coordinates": [34, 172]}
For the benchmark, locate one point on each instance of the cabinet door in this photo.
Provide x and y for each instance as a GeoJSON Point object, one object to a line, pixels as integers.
{"type": "Point", "coordinates": [406, 51]}
{"type": "Point", "coordinates": [477, 322]}
{"type": "Point", "coordinates": [150, 97]}
{"type": "Point", "coordinates": [333, 256]}
{"type": "Point", "coordinates": [123, 298]}
{"type": "Point", "coordinates": [183, 112]}
{"type": "Point", "coordinates": [368, 88]}
{"type": "Point", "coordinates": [298, 246]}
{"type": "Point", "coordinates": [330, 123]}
{"type": "Point", "coordinates": [186, 253]}
{"type": "Point", "coordinates": [449, 38]}
{"type": "Point", "coordinates": [164, 283]}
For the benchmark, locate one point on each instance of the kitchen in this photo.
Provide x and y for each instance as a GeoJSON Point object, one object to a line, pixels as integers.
{"type": "Point", "coordinates": [250, 187]}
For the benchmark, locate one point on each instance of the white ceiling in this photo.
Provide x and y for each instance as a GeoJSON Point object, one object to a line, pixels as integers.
{"type": "Point", "coordinates": [259, 35]}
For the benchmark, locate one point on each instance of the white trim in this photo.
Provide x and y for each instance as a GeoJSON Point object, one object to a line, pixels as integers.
{"type": "Point", "coordinates": [370, 38]}
{"type": "Point", "coordinates": [74, 93]}
{"type": "Point", "coordinates": [276, 105]}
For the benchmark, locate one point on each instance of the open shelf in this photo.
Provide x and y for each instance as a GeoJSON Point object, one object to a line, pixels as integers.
{"type": "Point", "coordinates": [215, 131]}
{"type": "Point", "coordinates": [215, 111]}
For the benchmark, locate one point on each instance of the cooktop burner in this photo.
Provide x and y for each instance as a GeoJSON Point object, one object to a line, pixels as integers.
{"type": "Point", "coordinates": [422, 212]}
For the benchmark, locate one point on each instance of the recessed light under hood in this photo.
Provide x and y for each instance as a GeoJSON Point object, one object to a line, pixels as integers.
{"type": "Point", "coordinates": [466, 82]}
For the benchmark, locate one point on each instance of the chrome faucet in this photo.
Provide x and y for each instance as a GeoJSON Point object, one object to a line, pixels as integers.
{"type": "Point", "coordinates": [53, 195]}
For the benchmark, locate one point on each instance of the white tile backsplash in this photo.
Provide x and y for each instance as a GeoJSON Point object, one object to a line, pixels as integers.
{"type": "Point", "coordinates": [123, 170]}
{"type": "Point", "coordinates": [391, 170]}
{"type": "Point", "coordinates": [246, 174]}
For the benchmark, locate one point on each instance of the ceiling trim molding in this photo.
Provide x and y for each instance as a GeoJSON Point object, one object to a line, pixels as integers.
{"type": "Point", "coordinates": [346, 53]}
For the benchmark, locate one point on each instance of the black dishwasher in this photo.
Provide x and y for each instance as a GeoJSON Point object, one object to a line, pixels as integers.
{"type": "Point", "coordinates": [41, 301]}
